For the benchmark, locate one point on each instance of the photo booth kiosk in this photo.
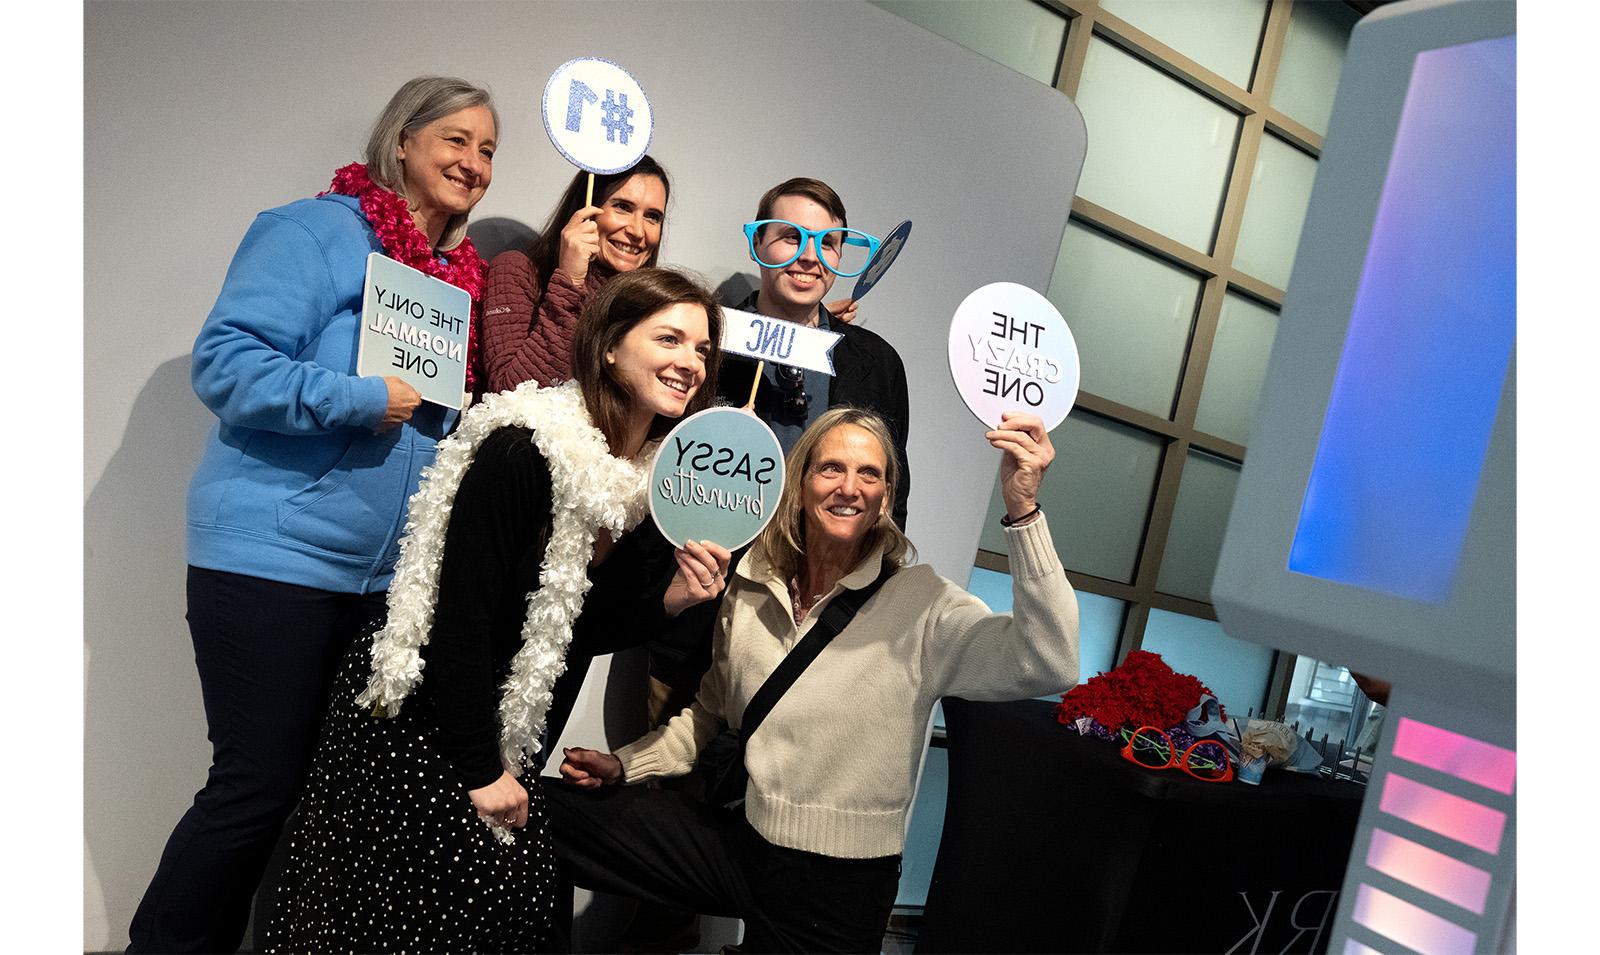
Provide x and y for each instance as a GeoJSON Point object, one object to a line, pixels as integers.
{"type": "Point", "coordinates": [1374, 525]}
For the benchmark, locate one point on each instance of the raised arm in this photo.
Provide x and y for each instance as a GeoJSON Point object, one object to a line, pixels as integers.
{"type": "Point", "coordinates": [973, 653]}
{"type": "Point", "coordinates": [528, 323]}
{"type": "Point", "coordinates": [277, 299]}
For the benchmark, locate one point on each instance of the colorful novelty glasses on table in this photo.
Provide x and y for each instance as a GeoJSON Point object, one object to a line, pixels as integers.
{"type": "Point", "coordinates": [1207, 760]}
{"type": "Point", "coordinates": [844, 252]}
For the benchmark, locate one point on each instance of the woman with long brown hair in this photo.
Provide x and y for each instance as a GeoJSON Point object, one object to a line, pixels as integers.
{"type": "Point", "coordinates": [534, 295]}
{"type": "Point", "coordinates": [421, 829]}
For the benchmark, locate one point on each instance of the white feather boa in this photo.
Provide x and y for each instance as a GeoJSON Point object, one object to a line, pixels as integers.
{"type": "Point", "coordinates": [590, 489]}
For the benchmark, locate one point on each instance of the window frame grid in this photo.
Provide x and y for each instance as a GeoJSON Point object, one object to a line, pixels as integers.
{"type": "Point", "coordinates": [1218, 275]}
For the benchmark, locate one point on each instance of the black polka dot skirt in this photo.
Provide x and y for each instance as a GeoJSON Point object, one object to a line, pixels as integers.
{"type": "Point", "coordinates": [388, 854]}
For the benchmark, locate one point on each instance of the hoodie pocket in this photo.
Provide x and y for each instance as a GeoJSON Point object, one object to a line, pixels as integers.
{"type": "Point", "coordinates": [354, 508]}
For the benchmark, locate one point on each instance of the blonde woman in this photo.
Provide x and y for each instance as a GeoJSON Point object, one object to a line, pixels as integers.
{"type": "Point", "coordinates": [812, 861]}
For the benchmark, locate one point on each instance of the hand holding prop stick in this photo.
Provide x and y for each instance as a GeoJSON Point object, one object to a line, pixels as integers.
{"type": "Point", "coordinates": [1026, 456]}
{"type": "Point", "coordinates": [598, 117]}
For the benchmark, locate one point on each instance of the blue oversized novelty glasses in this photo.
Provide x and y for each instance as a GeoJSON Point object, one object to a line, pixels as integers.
{"type": "Point", "coordinates": [844, 252]}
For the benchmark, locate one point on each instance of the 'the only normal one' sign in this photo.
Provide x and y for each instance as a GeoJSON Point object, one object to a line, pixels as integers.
{"type": "Point", "coordinates": [1010, 350]}
{"type": "Point", "coordinates": [765, 338]}
{"type": "Point", "coordinates": [597, 115]}
{"type": "Point", "coordinates": [716, 477]}
{"type": "Point", "coordinates": [414, 326]}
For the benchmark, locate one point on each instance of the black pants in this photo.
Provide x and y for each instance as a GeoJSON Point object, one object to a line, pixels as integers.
{"type": "Point", "coordinates": [670, 848]}
{"type": "Point", "coordinates": [266, 652]}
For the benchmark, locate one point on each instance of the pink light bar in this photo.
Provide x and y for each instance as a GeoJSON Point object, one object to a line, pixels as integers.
{"type": "Point", "coordinates": [1438, 811]}
{"type": "Point", "coordinates": [1409, 925]}
{"type": "Point", "coordinates": [1463, 757]}
{"type": "Point", "coordinates": [1353, 947]}
{"type": "Point", "coordinates": [1417, 865]}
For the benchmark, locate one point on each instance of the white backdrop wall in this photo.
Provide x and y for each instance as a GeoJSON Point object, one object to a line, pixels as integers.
{"type": "Point", "coordinates": [198, 115]}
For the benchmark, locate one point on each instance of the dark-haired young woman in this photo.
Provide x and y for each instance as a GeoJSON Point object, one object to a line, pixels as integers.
{"type": "Point", "coordinates": [533, 296]}
{"type": "Point", "coordinates": [420, 830]}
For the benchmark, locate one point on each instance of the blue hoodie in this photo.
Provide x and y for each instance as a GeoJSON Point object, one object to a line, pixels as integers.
{"type": "Point", "coordinates": [294, 485]}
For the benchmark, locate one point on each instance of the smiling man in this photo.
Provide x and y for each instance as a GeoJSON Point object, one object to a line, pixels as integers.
{"type": "Point", "coordinates": [803, 243]}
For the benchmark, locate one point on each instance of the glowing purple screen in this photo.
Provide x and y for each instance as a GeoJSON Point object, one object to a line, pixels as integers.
{"type": "Point", "coordinates": [1430, 339]}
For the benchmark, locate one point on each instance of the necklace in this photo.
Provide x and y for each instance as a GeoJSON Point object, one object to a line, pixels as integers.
{"type": "Point", "coordinates": [802, 603]}
{"type": "Point", "coordinates": [390, 217]}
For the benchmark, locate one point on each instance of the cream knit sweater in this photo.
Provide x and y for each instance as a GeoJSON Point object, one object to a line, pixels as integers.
{"type": "Point", "coordinates": [833, 765]}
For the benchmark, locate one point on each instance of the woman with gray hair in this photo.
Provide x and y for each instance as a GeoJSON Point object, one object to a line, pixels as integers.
{"type": "Point", "coordinates": [300, 494]}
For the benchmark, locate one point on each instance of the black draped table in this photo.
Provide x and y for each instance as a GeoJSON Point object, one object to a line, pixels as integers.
{"type": "Point", "coordinates": [1054, 843]}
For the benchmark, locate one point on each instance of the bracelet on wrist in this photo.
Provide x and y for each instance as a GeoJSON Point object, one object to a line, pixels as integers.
{"type": "Point", "coordinates": [1006, 520]}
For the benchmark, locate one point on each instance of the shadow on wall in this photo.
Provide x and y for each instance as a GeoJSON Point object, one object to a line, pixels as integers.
{"type": "Point", "coordinates": [737, 288]}
{"type": "Point", "coordinates": [143, 722]}
{"type": "Point", "coordinates": [498, 234]}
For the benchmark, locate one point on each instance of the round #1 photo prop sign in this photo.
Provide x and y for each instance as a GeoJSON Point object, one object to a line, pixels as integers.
{"type": "Point", "coordinates": [597, 115]}
{"type": "Point", "coordinates": [716, 477]}
{"type": "Point", "coordinates": [1010, 350]}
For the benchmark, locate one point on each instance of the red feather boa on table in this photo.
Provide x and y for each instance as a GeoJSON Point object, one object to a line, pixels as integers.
{"type": "Point", "coordinates": [1143, 691]}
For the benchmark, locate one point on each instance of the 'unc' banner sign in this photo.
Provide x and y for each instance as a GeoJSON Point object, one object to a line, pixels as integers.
{"type": "Point", "coordinates": [887, 252]}
{"type": "Point", "coordinates": [716, 477]}
{"type": "Point", "coordinates": [765, 338]}
{"type": "Point", "coordinates": [597, 115]}
{"type": "Point", "coordinates": [1010, 350]}
{"type": "Point", "coordinates": [414, 326]}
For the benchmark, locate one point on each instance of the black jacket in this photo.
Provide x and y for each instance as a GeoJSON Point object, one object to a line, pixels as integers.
{"type": "Point", "coordinates": [868, 374]}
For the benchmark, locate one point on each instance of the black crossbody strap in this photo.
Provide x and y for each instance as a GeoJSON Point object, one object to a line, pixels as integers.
{"type": "Point", "coordinates": [835, 617]}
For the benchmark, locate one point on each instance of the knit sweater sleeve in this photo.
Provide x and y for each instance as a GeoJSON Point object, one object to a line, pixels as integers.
{"type": "Point", "coordinates": [973, 653]}
{"type": "Point", "coordinates": [528, 324]}
{"type": "Point", "coordinates": [499, 511]}
{"type": "Point", "coordinates": [672, 748]}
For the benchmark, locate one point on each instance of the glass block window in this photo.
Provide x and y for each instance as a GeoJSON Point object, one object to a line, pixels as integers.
{"type": "Point", "coordinates": [1099, 620]}
{"type": "Point", "coordinates": [1131, 315]}
{"type": "Point", "coordinates": [1018, 33]}
{"type": "Point", "coordinates": [1172, 242]}
{"type": "Point", "coordinates": [1220, 35]}
{"type": "Point", "coordinates": [1097, 496]}
{"type": "Point", "coordinates": [1280, 190]}
{"type": "Point", "coordinates": [1159, 153]}
{"type": "Point", "coordinates": [1236, 671]}
{"type": "Point", "coordinates": [1201, 516]}
{"type": "Point", "coordinates": [1237, 369]}
{"type": "Point", "coordinates": [1313, 55]}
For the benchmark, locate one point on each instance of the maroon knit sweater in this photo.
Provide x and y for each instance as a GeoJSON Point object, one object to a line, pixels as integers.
{"type": "Point", "coordinates": [528, 325]}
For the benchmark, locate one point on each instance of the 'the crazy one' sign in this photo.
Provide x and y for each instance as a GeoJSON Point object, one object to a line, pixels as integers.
{"type": "Point", "coordinates": [1010, 350]}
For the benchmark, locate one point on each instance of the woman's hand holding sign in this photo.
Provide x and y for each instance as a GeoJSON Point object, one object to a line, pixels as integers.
{"type": "Point", "coordinates": [1028, 453]}
{"type": "Point", "coordinates": [580, 243]}
{"type": "Point", "coordinates": [403, 400]}
{"type": "Point", "coordinates": [702, 575]}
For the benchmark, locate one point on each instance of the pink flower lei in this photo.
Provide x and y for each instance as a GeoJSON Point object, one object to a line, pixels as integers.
{"type": "Point", "coordinates": [390, 218]}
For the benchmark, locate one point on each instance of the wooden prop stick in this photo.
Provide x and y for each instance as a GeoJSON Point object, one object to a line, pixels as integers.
{"type": "Point", "coordinates": [588, 195]}
{"type": "Point", "coordinates": [751, 404]}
